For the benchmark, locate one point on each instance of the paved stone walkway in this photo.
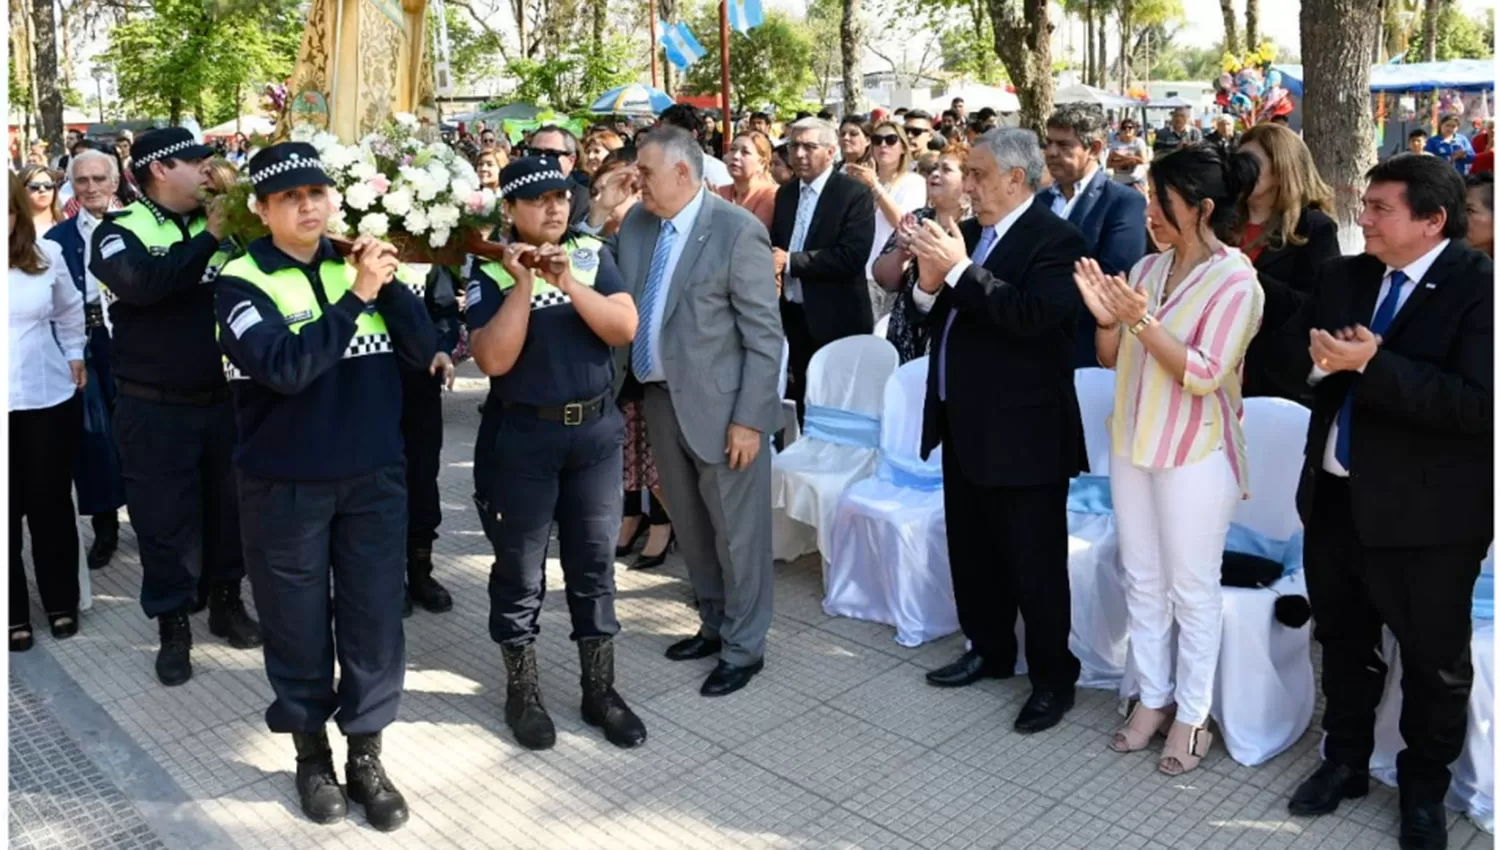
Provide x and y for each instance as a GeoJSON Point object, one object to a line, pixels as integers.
{"type": "Point", "coordinates": [838, 744]}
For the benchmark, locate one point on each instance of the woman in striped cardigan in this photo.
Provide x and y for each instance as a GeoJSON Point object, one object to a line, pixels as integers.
{"type": "Point", "coordinates": [1175, 333]}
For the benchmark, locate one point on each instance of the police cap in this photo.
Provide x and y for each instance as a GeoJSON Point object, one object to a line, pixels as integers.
{"type": "Point", "coordinates": [532, 177]}
{"type": "Point", "coordinates": [287, 165]}
{"type": "Point", "coordinates": [167, 143]}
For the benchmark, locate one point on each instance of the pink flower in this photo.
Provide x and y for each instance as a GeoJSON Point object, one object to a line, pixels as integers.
{"type": "Point", "coordinates": [476, 202]}
{"type": "Point", "coordinates": [380, 184]}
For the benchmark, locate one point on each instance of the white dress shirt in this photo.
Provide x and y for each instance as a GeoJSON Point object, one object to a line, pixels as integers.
{"type": "Point", "coordinates": [1063, 207]}
{"type": "Point", "coordinates": [791, 286]}
{"type": "Point", "coordinates": [1414, 274]}
{"type": "Point", "coordinates": [39, 304]}
{"type": "Point", "coordinates": [924, 301]}
{"type": "Point", "coordinates": [682, 223]}
{"type": "Point", "coordinates": [716, 172]}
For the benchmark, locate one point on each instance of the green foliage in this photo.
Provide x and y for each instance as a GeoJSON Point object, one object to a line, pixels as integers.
{"type": "Point", "coordinates": [20, 96]}
{"type": "Point", "coordinates": [473, 53]}
{"type": "Point", "coordinates": [1460, 36]}
{"type": "Point", "coordinates": [571, 80]}
{"type": "Point", "coordinates": [204, 56]}
{"type": "Point", "coordinates": [972, 53]}
{"type": "Point", "coordinates": [772, 65]}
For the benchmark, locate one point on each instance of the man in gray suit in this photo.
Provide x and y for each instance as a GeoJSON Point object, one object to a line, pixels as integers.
{"type": "Point", "coordinates": [708, 352]}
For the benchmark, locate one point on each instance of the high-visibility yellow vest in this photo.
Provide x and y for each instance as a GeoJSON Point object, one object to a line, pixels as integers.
{"type": "Point", "coordinates": [583, 259]}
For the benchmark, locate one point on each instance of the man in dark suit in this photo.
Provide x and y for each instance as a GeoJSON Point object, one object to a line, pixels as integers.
{"type": "Point", "coordinates": [998, 293]}
{"type": "Point", "coordinates": [821, 235]}
{"type": "Point", "coordinates": [1111, 216]}
{"type": "Point", "coordinates": [1397, 489]}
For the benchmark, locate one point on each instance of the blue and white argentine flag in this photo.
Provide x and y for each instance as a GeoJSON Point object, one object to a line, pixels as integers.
{"type": "Point", "coordinates": [682, 49]}
{"type": "Point", "coordinates": [745, 15]}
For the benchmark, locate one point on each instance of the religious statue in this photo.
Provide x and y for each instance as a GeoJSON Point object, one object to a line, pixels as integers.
{"type": "Point", "coordinates": [360, 62]}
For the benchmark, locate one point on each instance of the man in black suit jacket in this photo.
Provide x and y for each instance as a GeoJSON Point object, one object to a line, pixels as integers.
{"type": "Point", "coordinates": [999, 294]}
{"type": "Point", "coordinates": [821, 235]}
{"type": "Point", "coordinates": [1397, 489]}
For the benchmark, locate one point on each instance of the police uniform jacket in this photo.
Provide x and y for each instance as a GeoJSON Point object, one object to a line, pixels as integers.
{"type": "Point", "coordinates": [315, 371]}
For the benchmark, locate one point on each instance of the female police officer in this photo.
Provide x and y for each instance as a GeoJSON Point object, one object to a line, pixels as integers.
{"type": "Point", "coordinates": [312, 346]}
{"type": "Point", "coordinates": [541, 324]}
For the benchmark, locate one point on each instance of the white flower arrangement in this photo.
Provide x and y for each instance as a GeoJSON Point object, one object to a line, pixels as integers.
{"type": "Point", "coordinates": [393, 184]}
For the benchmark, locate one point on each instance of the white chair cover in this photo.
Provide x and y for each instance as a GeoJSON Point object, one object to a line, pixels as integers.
{"type": "Point", "coordinates": [888, 549]}
{"type": "Point", "coordinates": [806, 480]}
{"type": "Point", "coordinates": [1264, 692]}
{"type": "Point", "coordinates": [1095, 574]}
{"type": "Point", "coordinates": [786, 356]}
{"type": "Point", "coordinates": [1473, 789]}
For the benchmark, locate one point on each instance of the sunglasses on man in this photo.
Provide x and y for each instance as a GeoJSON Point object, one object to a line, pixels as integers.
{"type": "Point", "coordinates": [555, 154]}
{"type": "Point", "coordinates": [917, 131]}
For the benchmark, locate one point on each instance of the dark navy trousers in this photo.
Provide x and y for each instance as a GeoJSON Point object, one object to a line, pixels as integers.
{"type": "Point", "coordinates": [300, 537]}
{"type": "Point", "coordinates": [179, 487]}
{"type": "Point", "coordinates": [422, 433]}
{"type": "Point", "coordinates": [529, 472]}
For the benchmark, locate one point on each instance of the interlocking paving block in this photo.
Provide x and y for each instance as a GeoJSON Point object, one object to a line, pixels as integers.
{"type": "Point", "coordinates": [60, 799]}
{"type": "Point", "coordinates": [830, 753]}
{"type": "Point", "coordinates": [900, 701]}
{"type": "Point", "coordinates": [936, 802]}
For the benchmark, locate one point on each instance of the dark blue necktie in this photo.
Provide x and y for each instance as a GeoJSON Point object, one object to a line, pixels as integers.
{"type": "Point", "coordinates": [1378, 326]}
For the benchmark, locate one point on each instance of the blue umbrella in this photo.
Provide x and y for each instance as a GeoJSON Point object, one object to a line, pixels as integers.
{"type": "Point", "coordinates": [634, 99]}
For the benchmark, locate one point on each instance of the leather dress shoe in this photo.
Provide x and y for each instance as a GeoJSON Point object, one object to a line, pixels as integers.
{"type": "Point", "coordinates": [728, 678]}
{"type": "Point", "coordinates": [1424, 826]}
{"type": "Point", "coordinates": [968, 669]}
{"type": "Point", "coordinates": [1043, 710]}
{"type": "Point", "coordinates": [1321, 793]}
{"type": "Point", "coordinates": [696, 646]}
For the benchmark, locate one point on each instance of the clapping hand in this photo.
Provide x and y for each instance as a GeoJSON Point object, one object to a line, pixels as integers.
{"type": "Point", "coordinates": [1115, 298]}
{"type": "Point", "coordinates": [905, 231]}
{"type": "Point", "coordinates": [938, 250]}
{"type": "Point", "coordinates": [1344, 350]}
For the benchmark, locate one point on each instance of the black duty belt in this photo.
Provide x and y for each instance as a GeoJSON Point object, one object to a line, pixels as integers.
{"type": "Point", "coordinates": [93, 315]}
{"type": "Point", "coordinates": [572, 413]}
{"type": "Point", "coordinates": [204, 398]}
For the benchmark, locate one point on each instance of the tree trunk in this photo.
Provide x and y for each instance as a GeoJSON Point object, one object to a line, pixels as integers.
{"type": "Point", "coordinates": [1430, 19]}
{"type": "Point", "coordinates": [174, 110]}
{"type": "Point", "coordinates": [1088, 42]}
{"type": "Point", "coordinates": [1024, 44]}
{"type": "Point", "coordinates": [49, 97]}
{"type": "Point", "coordinates": [1126, 9]}
{"type": "Point", "coordinates": [1337, 123]}
{"type": "Point", "coordinates": [1101, 62]}
{"type": "Point", "coordinates": [600, 10]}
{"type": "Point", "coordinates": [1252, 24]}
{"type": "Point", "coordinates": [1231, 27]}
{"type": "Point", "coordinates": [851, 43]}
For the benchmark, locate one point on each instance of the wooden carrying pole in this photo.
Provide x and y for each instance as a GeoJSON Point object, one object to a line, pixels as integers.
{"type": "Point", "coordinates": [724, 132]}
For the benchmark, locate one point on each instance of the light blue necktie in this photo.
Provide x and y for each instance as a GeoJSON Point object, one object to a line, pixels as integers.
{"type": "Point", "coordinates": [1384, 314]}
{"type": "Point", "coordinates": [640, 352]}
{"type": "Point", "coordinates": [981, 253]}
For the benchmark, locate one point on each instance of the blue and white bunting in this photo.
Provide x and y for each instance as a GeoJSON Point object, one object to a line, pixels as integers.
{"type": "Point", "coordinates": [745, 15]}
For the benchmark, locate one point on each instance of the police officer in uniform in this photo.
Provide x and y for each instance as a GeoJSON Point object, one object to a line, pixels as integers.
{"type": "Point", "coordinates": [156, 261]}
{"type": "Point", "coordinates": [314, 349]}
{"type": "Point", "coordinates": [541, 324]}
{"type": "Point", "coordinates": [422, 432]}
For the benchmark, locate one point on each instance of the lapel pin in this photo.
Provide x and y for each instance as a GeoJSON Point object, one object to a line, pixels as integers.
{"type": "Point", "coordinates": [1429, 286]}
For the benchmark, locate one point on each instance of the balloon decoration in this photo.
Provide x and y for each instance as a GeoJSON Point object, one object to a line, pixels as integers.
{"type": "Point", "coordinates": [1251, 90]}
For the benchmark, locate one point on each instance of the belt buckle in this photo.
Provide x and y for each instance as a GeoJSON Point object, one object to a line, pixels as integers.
{"type": "Point", "coordinates": [573, 413]}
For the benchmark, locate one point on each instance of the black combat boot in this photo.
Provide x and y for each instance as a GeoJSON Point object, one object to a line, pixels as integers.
{"type": "Point", "coordinates": [227, 617]}
{"type": "Point", "coordinates": [106, 539]}
{"type": "Point", "coordinates": [421, 587]}
{"type": "Point", "coordinates": [174, 662]}
{"type": "Point", "coordinates": [385, 808]}
{"type": "Point", "coordinates": [317, 785]}
{"type": "Point", "coordinates": [602, 706]}
{"type": "Point", "coordinates": [524, 713]}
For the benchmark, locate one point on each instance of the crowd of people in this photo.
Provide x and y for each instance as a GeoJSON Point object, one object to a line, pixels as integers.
{"type": "Point", "coordinates": [272, 410]}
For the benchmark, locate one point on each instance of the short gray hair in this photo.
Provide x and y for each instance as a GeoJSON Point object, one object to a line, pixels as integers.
{"type": "Point", "coordinates": [1015, 147]}
{"type": "Point", "coordinates": [828, 135]}
{"type": "Point", "coordinates": [678, 145]}
{"type": "Point", "coordinates": [85, 156]}
{"type": "Point", "coordinates": [1086, 122]}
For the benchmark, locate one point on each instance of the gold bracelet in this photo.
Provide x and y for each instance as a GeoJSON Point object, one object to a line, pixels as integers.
{"type": "Point", "coordinates": [1145, 322]}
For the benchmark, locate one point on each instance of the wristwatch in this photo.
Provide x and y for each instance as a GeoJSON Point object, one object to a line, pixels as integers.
{"type": "Point", "coordinates": [1145, 322]}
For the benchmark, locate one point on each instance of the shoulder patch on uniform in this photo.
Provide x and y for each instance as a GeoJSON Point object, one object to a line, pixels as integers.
{"type": "Point", "coordinates": [112, 245]}
{"type": "Point", "coordinates": [299, 316]}
{"type": "Point", "coordinates": [473, 294]}
{"type": "Point", "coordinates": [242, 317]}
{"type": "Point", "coordinates": [586, 259]}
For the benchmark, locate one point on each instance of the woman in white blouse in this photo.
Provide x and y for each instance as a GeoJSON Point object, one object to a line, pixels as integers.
{"type": "Point", "coordinates": [46, 424]}
{"type": "Point", "coordinates": [898, 191]}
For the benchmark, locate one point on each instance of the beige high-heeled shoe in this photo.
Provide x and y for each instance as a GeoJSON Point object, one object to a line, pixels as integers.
{"type": "Point", "coordinates": [1141, 726]}
{"type": "Point", "coordinates": [1186, 746]}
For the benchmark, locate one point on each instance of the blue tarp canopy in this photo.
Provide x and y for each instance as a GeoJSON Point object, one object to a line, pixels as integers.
{"type": "Point", "coordinates": [1461, 74]}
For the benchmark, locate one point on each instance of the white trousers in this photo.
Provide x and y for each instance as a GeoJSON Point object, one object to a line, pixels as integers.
{"type": "Point", "coordinates": [1172, 524]}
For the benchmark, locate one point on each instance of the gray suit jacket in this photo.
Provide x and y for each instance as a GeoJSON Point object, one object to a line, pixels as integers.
{"type": "Point", "coordinates": [721, 337]}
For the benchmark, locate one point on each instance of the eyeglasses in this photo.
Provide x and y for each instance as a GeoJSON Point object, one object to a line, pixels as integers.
{"type": "Point", "coordinates": [40, 187]}
{"type": "Point", "coordinates": [917, 131]}
{"type": "Point", "coordinates": [886, 140]}
{"type": "Point", "coordinates": [555, 154]}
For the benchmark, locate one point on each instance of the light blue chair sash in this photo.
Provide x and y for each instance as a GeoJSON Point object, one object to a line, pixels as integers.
{"type": "Point", "coordinates": [905, 474]}
{"type": "Point", "coordinates": [1089, 494]}
{"type": "Point", "coordinates": [1287, 553]}
{"type": "Point", "coordinates": [841, 427]}
{"type": "Point", "coordinates": [1484, 591]}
